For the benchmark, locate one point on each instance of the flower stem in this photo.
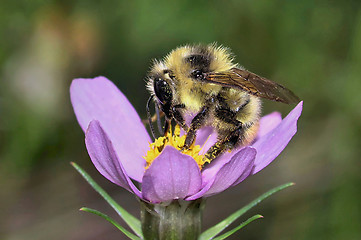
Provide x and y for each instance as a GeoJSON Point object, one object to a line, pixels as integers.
{"type": "Point", "coordinates": [176, 220]}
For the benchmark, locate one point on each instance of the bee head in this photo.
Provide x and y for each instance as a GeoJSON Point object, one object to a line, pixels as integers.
{"type": "Point", "coordinates": [159, 87]}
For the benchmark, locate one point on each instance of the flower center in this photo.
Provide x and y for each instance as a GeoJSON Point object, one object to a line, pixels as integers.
{"type": "Point", "coordinates": [176, 141]}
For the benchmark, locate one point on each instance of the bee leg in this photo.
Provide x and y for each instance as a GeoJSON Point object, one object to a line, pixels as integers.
{"type": "Point", "coordinates": [178, 116]}
{"type": "Point", "coordinates": [230, 141]}
{"type": "Point", "coordinates": [197, 122]}
{"type": "Point", "coordinates": [214, 152]}
{"type": "Point", "coordinates": [227, 140]}
{"type": "Point", "coordinates": [166, 126]}
{"type": "Point", "coordinates": [150, 117]}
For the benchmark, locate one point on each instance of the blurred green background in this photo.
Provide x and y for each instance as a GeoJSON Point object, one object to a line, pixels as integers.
{"type": "Point", "coordinates": [312, 47]}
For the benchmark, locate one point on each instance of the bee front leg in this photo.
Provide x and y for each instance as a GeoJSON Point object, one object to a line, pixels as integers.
{"type": "Point", "coordinates": [178, 116]}
{"type": "Point", "coordinates": [166, 126]}
{"type": "Point", "coordinates": [197, 122]}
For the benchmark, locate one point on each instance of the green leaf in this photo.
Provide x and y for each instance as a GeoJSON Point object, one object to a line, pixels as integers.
{"type": "Point", "coordinates": [216, 229]}
{"type": "Point", "coordinates": [126, 232]}
{"type": "Point", "coordinates": [229, 233]}
{"type": "Point", "coordinates": [132, 221]}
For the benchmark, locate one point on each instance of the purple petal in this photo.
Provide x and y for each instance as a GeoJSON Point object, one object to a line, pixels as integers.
{"type": "Point", "coordinates": [271, 145]}
{"type": "Point", "coordinates": [99, 99]}
{"type": "Point", "coordinates": [172, 175]}
{"type": "Point", "coordinates": [210, 171]}
{"type": "Point", "coordinates": [268, 123]}
{"type": "Point", "coordinates": [206, 136]}
{"type": "Point", "coordinates": [232, 173]}
{"type": "Point", "coordinates": [104, 158]}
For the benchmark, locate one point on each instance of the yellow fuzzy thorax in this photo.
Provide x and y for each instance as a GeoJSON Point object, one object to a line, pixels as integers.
{"type": "Point", "coordinates": [175, 140]}
{"type": "Point", "coordinates": [189, 91]}
{"type": "Point", "coordinates": [222, 57]}
{"type": "Point", "coordinates": [222, 60]}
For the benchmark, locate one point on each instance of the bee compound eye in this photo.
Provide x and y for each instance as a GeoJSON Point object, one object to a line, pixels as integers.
{"type": "Point", "coordinates": [162, 91]}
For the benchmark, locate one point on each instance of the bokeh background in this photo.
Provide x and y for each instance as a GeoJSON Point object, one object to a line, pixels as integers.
{"type": "Point", "coordinates": [312, 47]}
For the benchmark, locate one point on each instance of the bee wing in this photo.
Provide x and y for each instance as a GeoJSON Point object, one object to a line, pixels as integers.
{"type": "Point", "coordinates": [253, 84]}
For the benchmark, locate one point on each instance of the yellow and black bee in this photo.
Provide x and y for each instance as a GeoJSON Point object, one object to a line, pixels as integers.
{"type": "Point", "coordinates": [204, 84]}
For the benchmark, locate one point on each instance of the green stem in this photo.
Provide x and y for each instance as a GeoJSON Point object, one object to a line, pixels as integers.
{"type": "Point", "coordinates": [177, 220]}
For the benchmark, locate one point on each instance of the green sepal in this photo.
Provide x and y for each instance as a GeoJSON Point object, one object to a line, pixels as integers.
{"type": "Point", "coordinates": [216, 229]}
{"type": "Point", "coordinates": [129, 219]}
{"type": "Point", "coordinates": [123, 230]}
{"type": "Point", "coordinates": [229, 233]}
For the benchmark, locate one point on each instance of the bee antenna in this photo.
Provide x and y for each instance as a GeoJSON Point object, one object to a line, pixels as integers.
{"type": "Point", "coordinates": [149, 116]}
{"type": "Point", "coordinates": [159, 122]}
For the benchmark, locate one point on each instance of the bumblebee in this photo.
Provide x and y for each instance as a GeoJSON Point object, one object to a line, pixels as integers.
{"type": "Point", "coordinates": [200, 85]}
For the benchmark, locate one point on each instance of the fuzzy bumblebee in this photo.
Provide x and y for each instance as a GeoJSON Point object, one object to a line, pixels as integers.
{"type": "Point", "coordinates": [199, 86]}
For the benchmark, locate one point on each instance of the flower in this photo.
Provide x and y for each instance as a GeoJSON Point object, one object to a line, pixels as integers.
{"type": "Point", "coordinates": [117, 142]}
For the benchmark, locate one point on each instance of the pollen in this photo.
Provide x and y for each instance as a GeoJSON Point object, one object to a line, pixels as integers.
{"type": "Point", "coordinates": [175, 140]}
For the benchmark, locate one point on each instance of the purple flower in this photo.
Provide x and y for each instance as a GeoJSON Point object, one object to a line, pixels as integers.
{"type": "Point", "coordinates": [117, 142]}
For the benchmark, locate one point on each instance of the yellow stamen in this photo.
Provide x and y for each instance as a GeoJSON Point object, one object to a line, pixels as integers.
{"type": "Point", "coordinates": [176, 141]}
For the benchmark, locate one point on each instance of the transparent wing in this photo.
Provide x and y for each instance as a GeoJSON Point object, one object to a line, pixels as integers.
{"type": "Point", "coordinates": [253, 84]}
